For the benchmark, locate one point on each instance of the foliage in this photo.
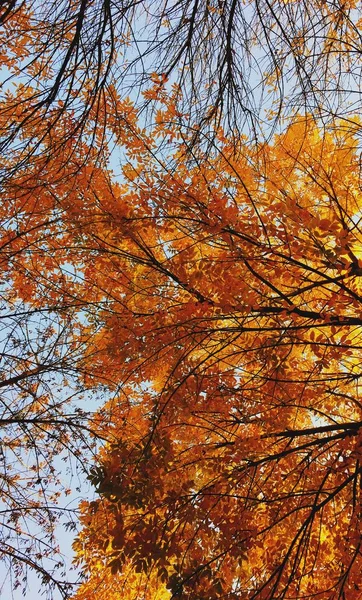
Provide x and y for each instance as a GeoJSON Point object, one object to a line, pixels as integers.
{"type": "Point", "coordinates": [234, 327]}
{"type": "Point", "coordinates": [237, 64]}
{"type": "Point", "coordinates": [46, 434]}
{"type": "Point", "coordinates": [208, 297]}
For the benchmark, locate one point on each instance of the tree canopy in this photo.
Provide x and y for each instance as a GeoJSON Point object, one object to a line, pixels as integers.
{"type": "Point", "coordinates": [187, 332]}
{"type": "Point", "coordinates": [242, 65]}
{"type": "Point", "coordinates": [235, 332]}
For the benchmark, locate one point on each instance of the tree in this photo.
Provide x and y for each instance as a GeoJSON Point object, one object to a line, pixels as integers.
{"type": "Point", "coordinates": [237, 64]}
{"type": "Point", "coordinates": [233, 325]}
{"type": "Point", "coordinates": [44, 420]}
{"type": "Point", "coordinates": [211, 294]}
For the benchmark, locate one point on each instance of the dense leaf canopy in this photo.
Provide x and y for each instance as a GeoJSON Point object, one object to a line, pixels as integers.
{"type": "Point", "coordinates": [234, 325]}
